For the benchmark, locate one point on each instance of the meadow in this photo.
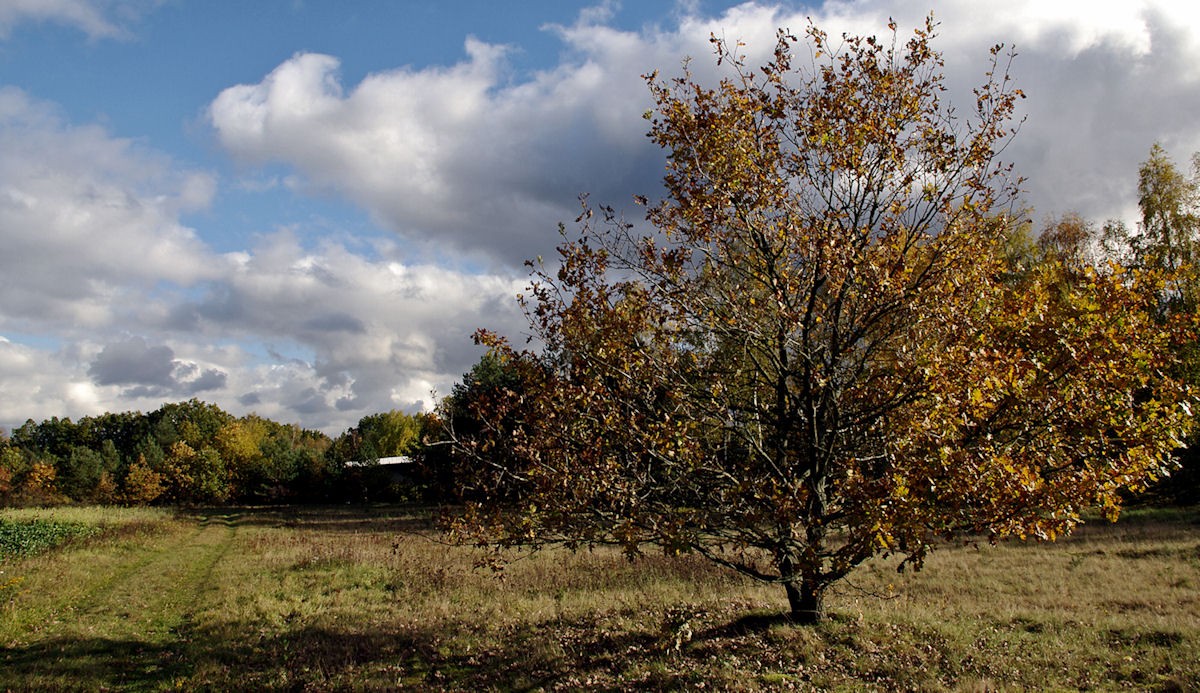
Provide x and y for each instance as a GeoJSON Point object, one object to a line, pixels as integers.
{"type": "Point", "coordinates": [371, 598]}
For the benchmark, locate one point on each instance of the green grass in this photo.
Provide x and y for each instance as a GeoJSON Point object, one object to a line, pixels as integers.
{"type": "Point", "coordinates": [369, 599]}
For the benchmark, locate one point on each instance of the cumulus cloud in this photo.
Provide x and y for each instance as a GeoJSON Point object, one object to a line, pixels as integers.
{"type": "Point", "coordinates": [381, 333]}
{"type": "Point", "coordinates": [1104, 81]}
{"type": "Point", "coordinates": [345, 335]}
{"type": "Point", "coordinates": [87, 217]}
{"type": "Point", "coordinates": [134, 362]}
{"type": "Point", "coordinates": [132, 308]}
{"type": "Point", "coordinates": [195, 380]}
{"type": "Point", "coordinates": [40, 382]}
{"type": "Point", "coordinates": [473, 157]}
{"type": "Point", "coordinates": [152, 371]}
{"type": "Point", "coordinates": [457, 156]}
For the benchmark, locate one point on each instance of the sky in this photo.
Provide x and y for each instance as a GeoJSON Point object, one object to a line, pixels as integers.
{"type": "Point", "coordinates": [304, 208]}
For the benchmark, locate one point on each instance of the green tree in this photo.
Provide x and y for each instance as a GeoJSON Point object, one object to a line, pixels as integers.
{"type": "Point", "coordinates": [387, 434]}
{"type": "Point", "coordinates": [464, 414]}
{"type": "Point", "coordinates": [240, 443]}
{"type": "Point", "coordinates": [818, 356]}
{"type": "Point", "coordinates": [355, 454]}
{"type": "Point", "coordinates": [192, 422]}
{"type": "Point", "coordinates": [195, 476]}
{"type": "Point", "coordinates": [79, 473]}
{"type": "Point", "coordinates": [151, 453]}
{"type": "Point", "coordinates": [13, 467]}
{"type": "Point", "coordinates": [53, 437]}
{"type": "Point", "coordinates": [124, 430]}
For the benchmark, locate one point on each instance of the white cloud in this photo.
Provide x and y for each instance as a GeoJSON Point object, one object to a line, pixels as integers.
{"type": "Point", "coordinates": [344, 335]}
{"type": "Point", "coordinates": [1104, 81]}
{"type": "Point", "coordinates": [37, 384]}
{"type": "Point", "coordinates": [469, 156]}
{"type": "Point", "coordinates": [96, 18]}
{"type": "Point", "coordinates": [454, 156]}
{"type": "Point", "coordinates": [87, 218]}
{"type": "Point", "coordinates": [380, 332]}
{"type": "Point", "coordinates": [131, 308]}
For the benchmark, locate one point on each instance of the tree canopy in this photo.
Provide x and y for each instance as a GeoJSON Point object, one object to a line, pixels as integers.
{"type": "Point", "coordinates": [818, 352]}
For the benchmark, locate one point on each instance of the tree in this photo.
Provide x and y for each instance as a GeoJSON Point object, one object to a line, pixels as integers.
{"type": "Point", "coordinates": [142, 485]}
{"type": "Point", "coordinates": [195, 476]}
{"type": "Point", "coordinates": [1069, 239]}
{"type": "Point", "coordinates": [79, 473]}
{"type": "Point", "coordinates": [1170, 224]}
{"type": "Point", "coordinates": [38, 486]}
{"type": "Point", "coordinates": [816, 356]}
{"type": "Point", "coordinates": [193, 422]}
{"type": "Point", "coordinates": [53, 437]}
{"type": "Point", "coordinates": [315, 477]}
{"type": "Point", "coordinates": [490, 379]}
{"type": "Point", "coordinates": [1168, 243]}
{"type": "Point", "coordinates": [387, 434]}
{"type": "Point", "coordinates": [240, 444]}
{"type": "Point", "coordinates": [355, 455]}
{"type": "Point", "coordinates": [123, 429]}
{"type": "Point", "coordinates": [13, 467]}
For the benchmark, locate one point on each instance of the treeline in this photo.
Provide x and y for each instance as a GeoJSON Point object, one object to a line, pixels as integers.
{"type": "Point", "coordinates": [195, 453]}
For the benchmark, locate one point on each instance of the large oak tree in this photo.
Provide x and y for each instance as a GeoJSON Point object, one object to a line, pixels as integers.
{"type": "Point", "coordinates": [815, 354]}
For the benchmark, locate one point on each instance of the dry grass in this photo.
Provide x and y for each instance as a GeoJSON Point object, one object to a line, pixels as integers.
{"type": "Point", "coordinates": [357, 598]}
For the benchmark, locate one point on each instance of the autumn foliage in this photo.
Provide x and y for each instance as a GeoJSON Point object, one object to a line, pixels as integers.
{"type": "Point", "coordinates": [819, 352]}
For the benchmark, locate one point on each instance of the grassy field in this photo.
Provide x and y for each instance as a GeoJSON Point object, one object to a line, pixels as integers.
{"type": "Point", "coordinates": [367, 598]}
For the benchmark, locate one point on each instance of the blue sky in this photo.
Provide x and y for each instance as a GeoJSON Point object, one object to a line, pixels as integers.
{"type": "Point", "coordinates": [305, 208]}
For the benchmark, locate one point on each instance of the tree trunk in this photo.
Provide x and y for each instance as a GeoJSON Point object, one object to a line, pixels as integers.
{"type": "Point", "coordinates": [807, 602]}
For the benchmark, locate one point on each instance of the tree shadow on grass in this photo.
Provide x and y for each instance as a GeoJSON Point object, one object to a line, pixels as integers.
{"type": "Point", "coordinates": [558, 655]}
{"type": "Point", "coordinates": [305, 659]}
{"type": "Point", "coordinates": [570, 654]}
{"type": "Point", "coordinates": [90, 664]}
{"type": "Point", "coordinates": [745, 625]}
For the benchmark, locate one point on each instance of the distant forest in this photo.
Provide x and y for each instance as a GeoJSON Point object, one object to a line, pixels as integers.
{"type": "Point", "coordinates": [195, 453]}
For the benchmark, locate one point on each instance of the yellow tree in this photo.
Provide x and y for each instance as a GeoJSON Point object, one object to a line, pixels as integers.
{"type": "Point", "coordinates": [817, 355]}
{"type": "Point", "coordinates": [1168, 243]}
{"type": "Point", "coordinates": [1169, 202]}
{"type": "Point", "coordinates": [142, 485]}
{"type": "Point", "coordinates": [239, 444]}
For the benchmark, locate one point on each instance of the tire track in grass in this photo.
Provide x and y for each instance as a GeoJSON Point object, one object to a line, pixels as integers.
{"type": "Point", "coordinates": [74, 606]}
{"type": "Point", "coordinates": [127, 624]}
{"type": "Point", "coordinates": [151, 598]}
{"type": "Point", "coordinates": [98, 599]}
